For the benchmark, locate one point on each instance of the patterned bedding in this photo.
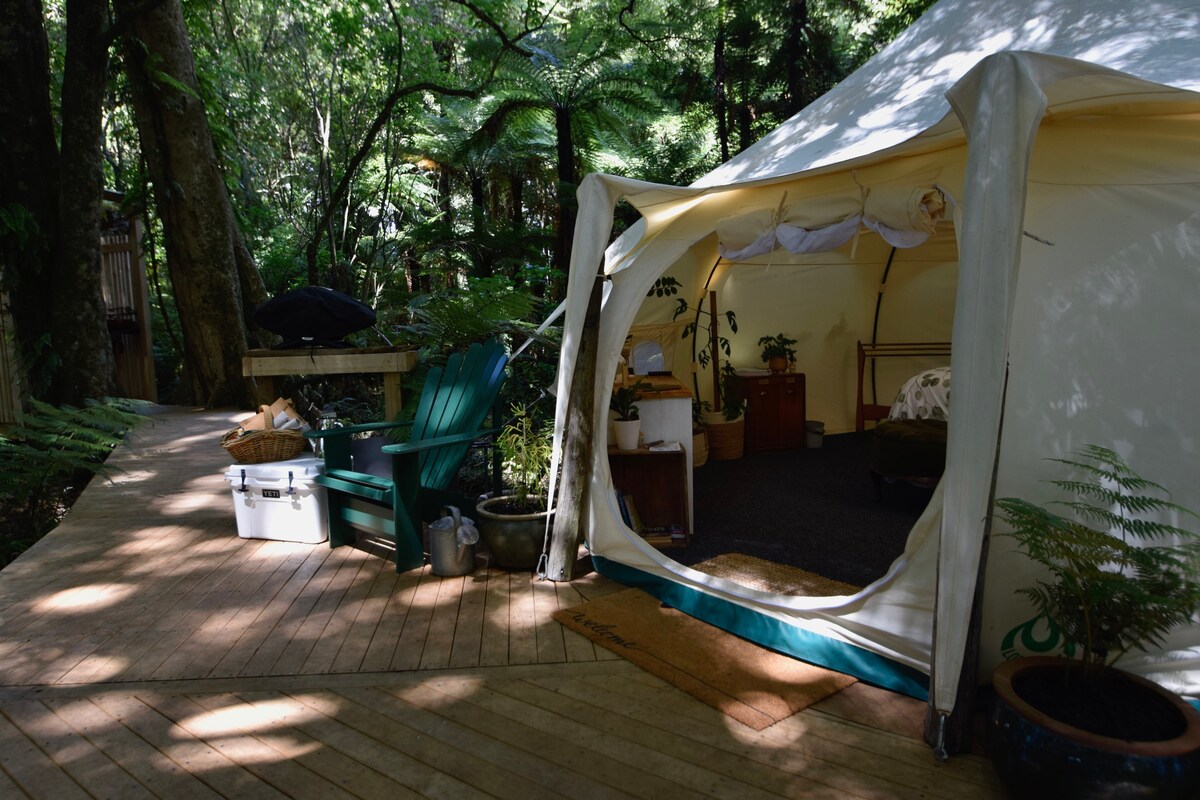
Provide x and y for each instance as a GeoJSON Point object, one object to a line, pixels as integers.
{"type": "Point", "coordinates": [925, 395]}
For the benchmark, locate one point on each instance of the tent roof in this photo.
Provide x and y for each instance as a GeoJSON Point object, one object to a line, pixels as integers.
{"type": "Point", "coordinates": [900, 93]}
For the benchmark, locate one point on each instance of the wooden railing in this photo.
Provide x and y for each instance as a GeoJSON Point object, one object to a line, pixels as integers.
{"type": "Point", "coordinates": [125, 291]}
{"type": "Point", "coordinates": [123, 275]}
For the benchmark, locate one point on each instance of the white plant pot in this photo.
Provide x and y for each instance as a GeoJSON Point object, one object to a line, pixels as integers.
{"type": "Point", "coordinates": [627, 432]}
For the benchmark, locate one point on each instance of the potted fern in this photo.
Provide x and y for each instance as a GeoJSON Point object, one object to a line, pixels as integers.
{"type": "Point", "coordinates": [1116, 580]}
{"type": "Point", "coordinates": [514, 524]}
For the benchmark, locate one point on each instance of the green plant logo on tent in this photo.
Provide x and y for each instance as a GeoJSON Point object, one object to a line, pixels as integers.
{"type": "Point", "coordinates": [1036, 635]}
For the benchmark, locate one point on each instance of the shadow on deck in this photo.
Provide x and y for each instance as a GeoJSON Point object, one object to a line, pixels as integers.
{"type": "Point", "coordinates": [147, 651]}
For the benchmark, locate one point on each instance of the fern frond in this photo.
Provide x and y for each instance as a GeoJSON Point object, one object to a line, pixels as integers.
{"type": "Point", "coordinates": [50, 449]}
{"type": "Point", "coordinates": [1106, 594]}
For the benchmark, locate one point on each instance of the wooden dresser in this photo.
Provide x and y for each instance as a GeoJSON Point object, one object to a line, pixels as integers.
{"type": "Point", "coordinates": [775, 410]}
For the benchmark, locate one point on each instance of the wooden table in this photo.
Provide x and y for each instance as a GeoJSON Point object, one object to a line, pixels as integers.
{"type": "Point", "coordinates": [391, 362]}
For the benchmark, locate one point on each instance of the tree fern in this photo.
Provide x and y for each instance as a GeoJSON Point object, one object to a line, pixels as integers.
{"type": "Point", "coordinates": [1109, 590]}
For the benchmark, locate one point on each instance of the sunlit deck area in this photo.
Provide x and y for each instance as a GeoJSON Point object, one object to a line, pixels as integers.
{"type": "Point", "coordinates": [148, 651]}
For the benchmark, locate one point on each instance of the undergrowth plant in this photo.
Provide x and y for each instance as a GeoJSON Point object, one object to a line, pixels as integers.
{"type": "Point", "coordinates": [525, 447]}
{"type": "Point", "coordinates": [1118, 579]}
{"type": "Point", "coordinates": [48, 457]}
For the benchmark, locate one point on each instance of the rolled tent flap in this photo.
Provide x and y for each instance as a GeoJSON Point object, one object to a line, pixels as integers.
{"type": "Point", "coordinates": [916, 208]}
{"type": "Point", "coordinates": [902, 216]}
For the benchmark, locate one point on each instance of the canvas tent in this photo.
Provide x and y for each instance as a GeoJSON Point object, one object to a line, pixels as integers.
{"type": "Point", "coordinates": [1065, 140]}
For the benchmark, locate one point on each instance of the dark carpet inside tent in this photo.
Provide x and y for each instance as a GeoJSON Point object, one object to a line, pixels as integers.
{"type": "Point", "coordinates": [811, 508]}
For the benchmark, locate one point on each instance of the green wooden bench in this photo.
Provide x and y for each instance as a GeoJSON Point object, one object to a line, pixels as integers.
{"type": "Point", "coordinates": [390, 490]}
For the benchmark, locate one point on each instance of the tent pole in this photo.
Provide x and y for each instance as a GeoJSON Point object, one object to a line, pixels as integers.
{"type": "Point", "coordinates": [571, 511]}
{"type": "Point", "coordinates": [713, 345]}
{"type": "Point", "coordinates": [953, 734]}
{"type": "Point", "coordinates": [875, 325]}
{"type": "Point", "coordinates": [696, 328]}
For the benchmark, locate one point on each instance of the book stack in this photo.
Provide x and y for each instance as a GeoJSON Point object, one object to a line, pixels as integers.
{"type": "Point", "coordinates": [655, 535]}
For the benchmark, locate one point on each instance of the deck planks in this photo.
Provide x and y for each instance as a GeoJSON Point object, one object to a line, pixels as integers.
{"type": "Point", "coordinates": [160, 655]}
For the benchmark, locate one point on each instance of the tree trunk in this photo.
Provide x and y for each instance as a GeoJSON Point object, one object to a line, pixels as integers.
{"type": "Point", "coordinates": [795, 45]}
{"type": "Point", "coordinates": [517, 191]}
{"type": "Point", "coordinates": [720, 104]}
{"type": "Point", "coordinates": [571, 512]}
{"type": "Point", "coordinates": [215, 281]}
{"type": "Point", "coordinates": [28, 193]}
{"type": "Point", "coordinates": [565, 151]}
{"type": "Point", "coordinates": [79, 318]}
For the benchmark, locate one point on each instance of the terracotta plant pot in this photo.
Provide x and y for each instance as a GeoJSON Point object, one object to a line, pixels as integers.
{"type": "Point", "coordinates": [777, 363]}
{"type": "Point", "coordinates": [1037, 755]}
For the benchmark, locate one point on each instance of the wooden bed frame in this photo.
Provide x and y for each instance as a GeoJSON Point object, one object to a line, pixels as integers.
{"type": "Point", "coordinates": [873, 412]}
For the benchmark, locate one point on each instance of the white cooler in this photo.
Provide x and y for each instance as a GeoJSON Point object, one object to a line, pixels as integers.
{"type": "Point", "coordinates": [279, 500]}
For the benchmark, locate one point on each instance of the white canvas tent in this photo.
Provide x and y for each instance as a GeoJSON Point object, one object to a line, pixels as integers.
{"type": "Point", "coordinates": [1065, 138]}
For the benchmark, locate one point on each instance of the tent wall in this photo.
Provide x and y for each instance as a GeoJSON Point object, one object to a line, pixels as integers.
{"type": "Point", "coordinates": [1100, 350]}
{"type": "Point", "coordinates": [827, 303]}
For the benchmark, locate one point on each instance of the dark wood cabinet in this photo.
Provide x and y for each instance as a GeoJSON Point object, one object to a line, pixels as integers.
{"type": "Point", "coordinates": [775, 409]}
{"type": "Point", "coordinates": [657, 482]}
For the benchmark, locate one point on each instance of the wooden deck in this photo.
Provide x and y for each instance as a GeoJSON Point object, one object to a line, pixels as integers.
{"type": "Point", "coordinates": [147, 651]}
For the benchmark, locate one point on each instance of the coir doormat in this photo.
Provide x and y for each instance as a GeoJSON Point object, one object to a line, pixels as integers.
{"type": "Point", "coordinates": [755, 686]}
{"type": "Point", "coordinates": [767, 576]}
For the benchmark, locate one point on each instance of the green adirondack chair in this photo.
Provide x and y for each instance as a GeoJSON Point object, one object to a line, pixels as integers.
{"type": "Point", "coordinates": [391, 490]}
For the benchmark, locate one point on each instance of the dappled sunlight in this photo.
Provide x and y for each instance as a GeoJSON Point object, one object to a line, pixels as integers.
{"type": "Point", "coordinates": [85, 598]}
{"type": "Point", "coordinates": [187, 502]}
{"type": "Point", "coordinates": [259, 717]}
{"type": "Point", "coordinates": [132, 476]}
{"type": "Point", "coordinates": [900, 93]}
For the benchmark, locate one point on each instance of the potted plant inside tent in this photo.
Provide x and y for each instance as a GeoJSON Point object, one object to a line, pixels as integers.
{"type": "Point", "coordinates": [778, 353]}
{"type": "Point", "coordinates": [724, 424]}
{"type": "Point", "coordinates": [627, 426]}
{"type": "Point", "coordinates": [514, 525]}
{"type": "Point", "coordinates": [1117, 581]}
{"type": "Point", "coordinates": [699, 433]}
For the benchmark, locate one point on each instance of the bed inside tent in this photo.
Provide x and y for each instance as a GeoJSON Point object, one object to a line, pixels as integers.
{"type": "Point", "coordinates": [1063, 267]}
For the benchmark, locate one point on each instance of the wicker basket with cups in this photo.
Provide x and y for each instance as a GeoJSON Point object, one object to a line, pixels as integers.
{"type": "Point", "coordinates": [275, 433]}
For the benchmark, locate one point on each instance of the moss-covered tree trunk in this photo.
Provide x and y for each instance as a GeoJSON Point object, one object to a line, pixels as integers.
{"type": "Point", "coordinates": [29, 189]}
{"type": "Point", "coordinates": [214, 277]}
{"type": "Point", "coordinates": [79, 318]}
{"type": "Point", "coordinates": [51, 202]}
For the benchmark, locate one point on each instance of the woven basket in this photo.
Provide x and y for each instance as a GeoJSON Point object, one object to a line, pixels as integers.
{"type": "Point", "coordinates": [699, 447]}
{"type": "Point", "coordinates": [726, 440]}
{"type": "Point", "coordinates": [258, 447]}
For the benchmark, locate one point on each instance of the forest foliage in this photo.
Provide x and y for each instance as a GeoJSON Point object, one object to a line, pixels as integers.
{"type": "Point", "coordinates": [412, 154]}
{"type": "Point", "coordinates": [421, 156]}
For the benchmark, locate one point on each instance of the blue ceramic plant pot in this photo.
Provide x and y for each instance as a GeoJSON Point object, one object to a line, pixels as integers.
{"type": "Point", "coordinates": [1038, 756]}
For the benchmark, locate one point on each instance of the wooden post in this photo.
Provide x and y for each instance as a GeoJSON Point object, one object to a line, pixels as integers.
{"type": "Point", "coordinates": [571, 511]}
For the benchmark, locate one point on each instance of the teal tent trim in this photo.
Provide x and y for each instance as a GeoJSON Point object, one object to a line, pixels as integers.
{"type": "Point", "coordinates": [760, 629]}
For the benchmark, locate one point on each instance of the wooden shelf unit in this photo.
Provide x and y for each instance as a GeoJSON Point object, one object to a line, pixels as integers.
{"type": "Point", "coordinates": [657, 482]}
{"type": "Point", "coordinates": [775, 411]}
